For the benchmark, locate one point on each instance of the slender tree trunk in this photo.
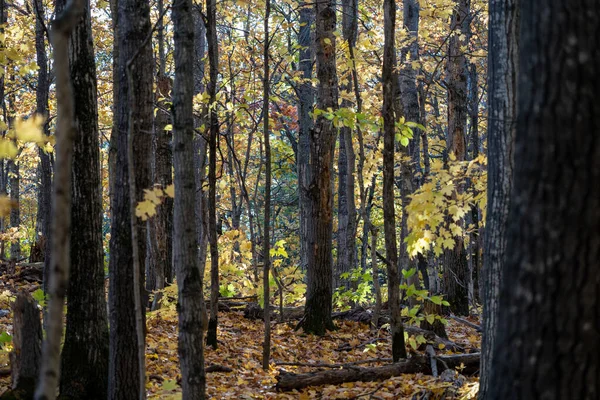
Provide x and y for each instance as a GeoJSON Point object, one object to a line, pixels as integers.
{"type": "Point", "coordinates": [346, 260]}
{"type": "Point", "coordinates": [84, 360]}
{"type": "Point", "coordinates": [306, 99]}
{"type": "Point", "coordinates": [456, 270]}
{"type": "Point", "coordinates": [322, 145]}
{"type": "Point", "coordinates": [376, 287]}
{"type": "Point", "coordinates": [15, 211]}
{"type": "Point", "coordinates": [185, 244]}
{"type": "Point", "coordinates": [213, 57]}
{"type": "Point", "coordinates": [267, 222]}
{"type": "Point", "coordinates": [133, 120]}
{"type": "Point", "coordinates": [61, 201]}
{"type": "Point", "coordinates": [549, 308]}
{"type": "Point", "coordinates": [502, 101]}
{"type": "Point", "coordinates": [45, 169]}
{"type": "Point", "coordinates": [389, 88]}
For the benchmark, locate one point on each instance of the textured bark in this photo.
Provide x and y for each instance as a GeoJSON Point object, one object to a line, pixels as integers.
{"type": "Point", "coordinates": [549, 308]}
{"type": "Point", "coordinates": [322, 145]}
{"type": "Point", "coordinates": [456, 268]}
{"type": "Point", "coordinates": [27, 345]}
{"type": "Point", "coordinates": [61, 201]}
{"type": "Point", "coordinates": [200, 142]}
{"type": "Point", "coordinates": [306, 99]}
{"type": "Point", "coordinates": [84, 359]}
{"type": "Point", "coordinates": [44, 169]}
{"type": "Point", "coordinates": [389, 214]}
{"type": "Point", "coordinates": [346, 235]}
{"type": "Point", "coordinates": [185, 244]}
{"type": "Point", "coordinates": [267, 220]}
{"type": "Point", "coordinates": [134, 107]}
{"type": "Point", "coordinates": [15, 211]}
{"type": "Point", "coordinates": [416, 364]}
{"type": "Point", "coordinates": [502, 103]}
{"type": "Point", "coordinates": [213, 57]}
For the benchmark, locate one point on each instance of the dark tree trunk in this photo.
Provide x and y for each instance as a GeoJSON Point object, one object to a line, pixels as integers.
{"type": "Point", "coordinates": [306, 99]}
{"type": "Point", "coordinates": [84, 360]}
{"type": "Point", "coordinates": [322, 145]}
{"type": "Point", "coordinates": [346, 235]}
{"type": "Point", "coordinates": [136, 102]}
{"type": "Point", "coordinates": [456, 270]}
{"type": "Point", "coordinates": [502, 103]}
{"type": "Point", "coordinates": [213, 57]}
{"type": "Point", "coordinates": [27, 346]}
{"type": "Point", "coordinates": [45, 168]}
{"type": "Point", "coordinates": [267, 221]}
{"type": "Point", "coordinates": [389, 214]}
{"type": "Point", "coordinates": [185, 244]}
{"type": "Point", "coordinates": [549, 308]}
{"type": "Point", "coordinates": [15, 211]}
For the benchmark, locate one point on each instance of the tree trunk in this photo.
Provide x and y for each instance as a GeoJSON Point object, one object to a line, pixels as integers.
{"type": "Point", "coordinates": [502, 103]}
{"type": "Point", "coordinates": [185, 244]}
{"type": "Point", "coordinates": [133, 116]}
{"type": "Point", "coordinates": [306, 98]}
{"type": "Point", "coordinates": [15, 211]}
{"type": "Point", "coordinates": [45, 169]}
{"type": "Point", "coordinates": [346, 235]}
{"type": "Point", "coordinates": [84, 360]}
{"type": "Point", "coordinates": [27, 345]}
{"type": "Point", "coordinates": [62, 27]}
{"type": "Point", "coordinates": [549, 308]}
{"type": "Point", "coordinates": [389, 214]}
{"type": "Point", "coordinates": [455, 260]}
{"type": "Point", "coordinates": [267, 221]}
{"type": "Point", "coordinates": [213, 57]}
{"type": "Point", "coordinates": [319, 277]}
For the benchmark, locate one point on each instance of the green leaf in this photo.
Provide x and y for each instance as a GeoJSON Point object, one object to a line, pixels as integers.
{"type": "Point", "coordinates": [436, 300]}
{"type": "Point", "coordinates": [5, 337]}
{"type": "Point", "coordinates": [430, 318]}
{"type": "Point", "coordinates": [404, 141]}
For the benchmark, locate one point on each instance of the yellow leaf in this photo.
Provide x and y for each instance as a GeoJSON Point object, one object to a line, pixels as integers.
{"type": "Point", "coordinates": [8, 149]}
{"type": "Point", "coordinates": [170, 191]}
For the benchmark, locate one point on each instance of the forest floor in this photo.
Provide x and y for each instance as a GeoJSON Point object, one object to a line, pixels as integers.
{"type": "Point", "coordinates": [240, 349]}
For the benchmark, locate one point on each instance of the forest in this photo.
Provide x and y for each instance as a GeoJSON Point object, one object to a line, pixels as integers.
{"type": "Point", "coordinates": [298, 199]}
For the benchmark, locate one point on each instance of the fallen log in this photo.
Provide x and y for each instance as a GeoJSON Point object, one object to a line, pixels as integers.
{"type": "Point", "coordinates": [417, 364]}
{"type": "Point", "coordinates": [467, 323]}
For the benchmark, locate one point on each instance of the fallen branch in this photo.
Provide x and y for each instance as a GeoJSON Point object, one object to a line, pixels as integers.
{"type": "Point", "coordinates": [5, 372]}
{"type": "Point", "coordinates": [334, 366]}
{"type": "Point", "coordinates": [218, 368]}
{"type": "Point", "coordinates": [418, 364]}
{"type": "Point", "coordinates": [467, 323]}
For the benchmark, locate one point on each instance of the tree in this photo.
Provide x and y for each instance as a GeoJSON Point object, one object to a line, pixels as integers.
{"type": "Point", "coordinates": [547, 337]}
{"type": "Point", "coordinates": [389, 134]}
{"type": "Point", "coordinates": [346, 235]}
{"type": "Point", "coordinates": [455, 260]}
{"type": "Point", "coordinates": [322, 144]}
{"type": "Point", "coordinates": [213, 59]}
{"type": "Point", "coordinates": [133, 119]}
{"type": "Point", "coordinates": [502, 103]}
{"type": "Point", "coordinates": [306, 99]}
{"type": "Point", "coordinates": [267, 221]}
{"type": "Point", "coordinates": [185, 244]}
{"type": "Point", "coordinates": [84, 362]}
{"type": "Point", "coordinates": [62, 26]}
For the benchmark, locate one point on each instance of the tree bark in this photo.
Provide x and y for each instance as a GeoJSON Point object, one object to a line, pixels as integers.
{"type": "Point", "coordinates": [133, 119]}
{"type": "Point", "coordinates": [346, 235]}
{"type": "Point", "coordinates": [322, 145]}
{"type": "Point", "coordinates": [415, 364]}
{"type": "Point", "coordinates": [389, 214]}
{"type": "Point", "coordinates": [306, 98]}
{"type": "Point", "coordinates": [549, 305]}
{"type": "Point", "coordinates": [84, 359]}
{"type": "Point", "coordinates": [185, 244]}
{"type": "Point", "coordinates": [27, 345]}
{"type": "Point", "coordinates": [213, 57]}
{"type": "Point", "coordinates": [45, 168]}
{"type": "Point", "coordinates": [455, 260]}
{"type": "Point", "coordinates": [502, 103]}
{"type": "Point", "coordinates": [15, 211]}
{"type": "Point", "coordinates": [267, 220]}
{"type": "Point", "coordinates": [61, 30]}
